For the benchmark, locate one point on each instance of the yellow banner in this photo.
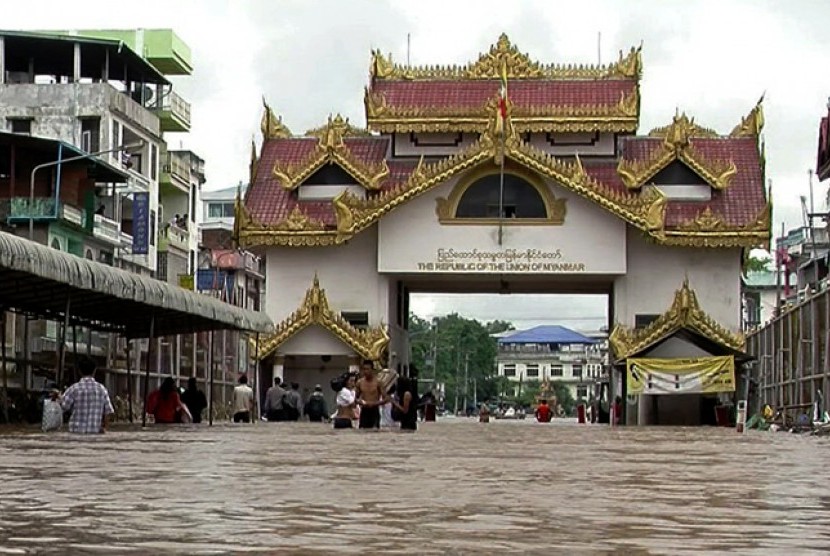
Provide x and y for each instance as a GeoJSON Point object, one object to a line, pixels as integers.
{"type": "Point", "coordinates": [699, 375]}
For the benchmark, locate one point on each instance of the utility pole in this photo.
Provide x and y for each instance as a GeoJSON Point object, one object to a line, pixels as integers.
{"type": "Point", "coordinates": [457, 371]}
{"type": "Point", "coordinates": [466, 382]}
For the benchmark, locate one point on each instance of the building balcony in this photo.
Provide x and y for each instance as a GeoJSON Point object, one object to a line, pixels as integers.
{"type": "Point", "coordinates": [44, 209]}
{"type": "Point", "coordinates": [174, 114]}
{"type": "Point", "coordinates": [175, 174]}
{"type": "Point", "coordinates": [107, 230]}
{"type": "Point", "coordinates": [175, 237]}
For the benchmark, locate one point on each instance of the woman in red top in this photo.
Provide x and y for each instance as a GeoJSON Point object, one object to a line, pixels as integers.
{"type": "Point", "coordinates": [164, 404]}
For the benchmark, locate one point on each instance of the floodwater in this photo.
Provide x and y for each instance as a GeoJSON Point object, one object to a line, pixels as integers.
{"type": "Point", "coordinates": [455, 487]}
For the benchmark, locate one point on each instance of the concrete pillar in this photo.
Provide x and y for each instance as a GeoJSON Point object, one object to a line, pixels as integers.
{"type": "Point", "coordinates": [76, 67]}
{"type": "Point", "coordinates": [2, 61]}
{"type": "Point", "coordinates": [105, 67]}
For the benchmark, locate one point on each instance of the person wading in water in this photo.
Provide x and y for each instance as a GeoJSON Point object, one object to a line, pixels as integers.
{"type": "Point", "coordinates": [195, 400]}
{"type": "Point", "coordinates": [407, 408]}
{"type": "Point", "coordinates": [345, 405]}
{"type": "Point", "coordinates": [370, 397]}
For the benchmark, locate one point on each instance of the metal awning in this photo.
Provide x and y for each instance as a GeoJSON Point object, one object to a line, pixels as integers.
{"type": "Point", "coordinates": [48, 283]}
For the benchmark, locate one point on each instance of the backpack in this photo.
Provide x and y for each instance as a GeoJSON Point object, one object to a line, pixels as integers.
{"type": "Point", "coordinates": [315, 406]}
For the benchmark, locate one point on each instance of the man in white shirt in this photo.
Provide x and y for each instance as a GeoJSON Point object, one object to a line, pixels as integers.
{"type": "Point", "coordinates": [243, 401]}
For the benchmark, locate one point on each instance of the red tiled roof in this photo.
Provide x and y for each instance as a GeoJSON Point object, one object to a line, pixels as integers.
{"type": "Point", "coordinates": [522, 93]}
{"type": "Point", "coordinates": [269, 203]}
{"type": "Point", "coordinates": [738, 204]}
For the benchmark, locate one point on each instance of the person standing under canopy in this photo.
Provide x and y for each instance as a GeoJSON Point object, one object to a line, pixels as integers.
{"type": "Point", "coordinates": [243, 401]}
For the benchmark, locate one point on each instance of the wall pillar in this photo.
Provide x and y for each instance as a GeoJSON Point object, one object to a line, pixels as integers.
{"type": "Point", "coordinates": [279, 368]}
{"type": "Point", "coordinates": [76, 66]}
{"type": "Point", "coordinates": [2, 61]}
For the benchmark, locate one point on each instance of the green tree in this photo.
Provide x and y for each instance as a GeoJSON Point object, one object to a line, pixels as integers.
{"type": "Point", "coordinates": [444, 347]}
{"type": "Point", "coordinates": [756, 262]}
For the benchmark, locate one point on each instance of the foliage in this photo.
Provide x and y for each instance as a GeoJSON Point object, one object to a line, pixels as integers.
{"type": "Point", "coordinates": [443, 347]}
{"type": "Point", "coordinates": [756, 262]}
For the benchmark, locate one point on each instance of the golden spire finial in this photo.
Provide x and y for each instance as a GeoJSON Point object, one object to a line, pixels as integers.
{"type": "Point", "coordinates": [677, 135]}
{"type": "Point", "coordinates": [271, 125]}
{"type": "Point", "coordinates": [503, 44]}
{"type": "Point", "coordinates": [753, 123]}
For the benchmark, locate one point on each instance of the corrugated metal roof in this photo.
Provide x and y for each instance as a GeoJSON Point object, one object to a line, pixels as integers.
{"type": "Point", "coordinates": [547, 334]}
{"type": "Point", "coordinates": [37, 279]}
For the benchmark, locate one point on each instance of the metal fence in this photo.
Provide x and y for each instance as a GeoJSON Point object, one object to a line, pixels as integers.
{"type": "Point", "coordinates": [792, 369]}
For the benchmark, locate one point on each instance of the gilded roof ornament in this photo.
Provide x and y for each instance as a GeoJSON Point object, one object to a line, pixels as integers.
{"type": "Point", "coordinates": [753, 123]}
{"type": "Point", "coordinates": [518, 65]}
{"type": "Point", "coordinates": [271, 125]}
{"type": "Point", "coordinates": [685, 313]}
{"type": "Point", "coordinates": [677, 145]}
{"type": "Point", "coordinates": [315, 310]}
{"type": "Point", "coordinates": [622, 116]}
{"type": "Point", "coordinates": [331, 148]}
{"type": "Point", "coordinates": [298, 221]}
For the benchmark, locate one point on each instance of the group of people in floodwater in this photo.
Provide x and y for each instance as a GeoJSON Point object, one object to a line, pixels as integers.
{"type": "Point", "coordinates": [373, 402]}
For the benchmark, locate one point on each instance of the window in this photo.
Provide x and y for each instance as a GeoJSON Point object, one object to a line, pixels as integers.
{"type": "Point", "coordinates": [154, 161]}
{"type": "Point", "coordinates": [581, 391]}
{"type": "Point", "coordinates": [556, 370]}
{"type": "Point", "coordinates": [220, 210]}
{"type": "Point", "coordinates": [152, 227]}
{"type": "Point", "coordinates": [532, 371]}
{"type": "Point", "coordinates": [520, 199]}
{"type": "Point", "coordinates": [358, 319]}
{"type": "Point", "coordinates": [91, 134]}
{"type": "Point", "coordinates": [509, 370]}
{"type": "Point", "coordinates": [193, 196]}
{"type": "Point", "coordinates": [20, 125]}
{"type": "Point", "coordinates": [576, 370]}
{"type": "Point", "coordinates": [56, 244]}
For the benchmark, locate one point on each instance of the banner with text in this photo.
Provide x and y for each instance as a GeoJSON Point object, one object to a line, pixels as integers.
{"type": "Point", "coordinates": [699, 375]}
{"type": "Point", "coordinates": [141, 223]}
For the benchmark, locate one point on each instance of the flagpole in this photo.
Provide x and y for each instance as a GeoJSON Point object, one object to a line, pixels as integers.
{"type": "Point", "coordinates": [501, 190]}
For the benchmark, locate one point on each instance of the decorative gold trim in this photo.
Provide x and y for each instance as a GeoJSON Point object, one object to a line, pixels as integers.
{"type": "Point", "coordinates": [645, 210]}
{"type": "Point", "coordinates": [677, 145]}
{"type": "Point", "coordinates": [298, 221]}
{"type": "Point", "coordinates": [331, 149]}
{"type": "Point", "coordinates": [753, 123]}
{"type": "Point", "coordinates": [315, 310]}
{"type": "Point", "coordinates": [685, 313]}
{"type": "Point", "coordinates": [272, 126]}
{"type": "Point", "coordinates": [446, 208]}
{"type": "Point", "coordinates": [518, 65]}
{"type": "Point", "coordinates": [622, 116]}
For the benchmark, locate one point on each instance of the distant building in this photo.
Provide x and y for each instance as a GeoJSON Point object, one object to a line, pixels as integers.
{"type": "Point", "coordinates": [554, 353]}
{"type": "Point", "coordinates": [218, 216]}
{"type": "Point", "coordinates": [759, 290]}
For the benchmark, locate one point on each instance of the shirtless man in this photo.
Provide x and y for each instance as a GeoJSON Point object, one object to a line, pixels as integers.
{"type": "Point", "coordinates": [370, 397]}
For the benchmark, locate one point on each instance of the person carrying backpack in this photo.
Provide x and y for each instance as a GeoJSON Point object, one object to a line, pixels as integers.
{"type": "Point", "coordinates": [293, 403]}
{"type": "Point", "coordinates": [315, 407]}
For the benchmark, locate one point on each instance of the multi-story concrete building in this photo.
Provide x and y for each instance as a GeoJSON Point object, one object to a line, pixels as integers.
{"type": "Point", "coordinates": [553, 353]}
{"type": "Point", "coordinates": [93, 93]}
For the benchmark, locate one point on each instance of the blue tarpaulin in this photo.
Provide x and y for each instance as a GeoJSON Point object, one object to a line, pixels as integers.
{"type": "Point", "coordinates": [546, 334]}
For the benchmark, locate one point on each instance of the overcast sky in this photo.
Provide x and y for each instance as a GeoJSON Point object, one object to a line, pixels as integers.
{"type": "Point", "coordinates": [712, 59]}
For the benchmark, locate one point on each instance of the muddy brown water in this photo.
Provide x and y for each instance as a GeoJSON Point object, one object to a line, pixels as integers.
{"type": "Point", "coordinates": [455, 487]}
